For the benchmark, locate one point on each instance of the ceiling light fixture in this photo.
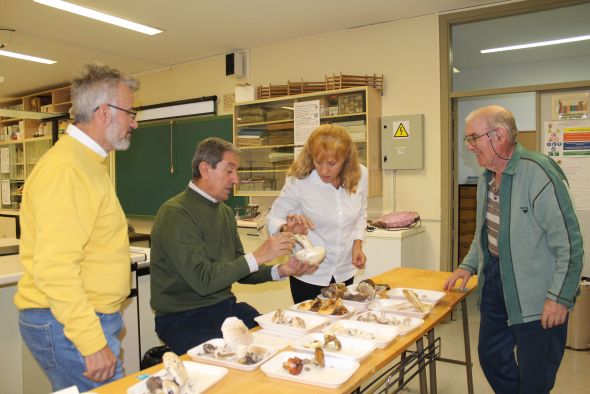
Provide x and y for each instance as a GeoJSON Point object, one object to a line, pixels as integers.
{"type": "Point", "coordinates": [537, 44]}
{"type": "Point", "coordinates": [26, 57]}
{"type": "Point", "coordinates": [99, 16]}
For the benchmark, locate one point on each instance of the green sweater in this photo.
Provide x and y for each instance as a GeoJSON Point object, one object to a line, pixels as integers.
{"type": "Point", "coordinates": [196, 254]}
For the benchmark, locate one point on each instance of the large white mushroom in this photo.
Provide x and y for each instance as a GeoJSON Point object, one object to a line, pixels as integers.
{"type": "Point", "coordinates": [312, 254]}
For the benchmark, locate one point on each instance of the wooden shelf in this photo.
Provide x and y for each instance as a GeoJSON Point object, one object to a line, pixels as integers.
{"type": "Point", "coordinates": [365, 100]}
{"type": "Point", "coordinates": [25, 117]}
{"type": "Point", "coordinates": [283, 170]}
{"type": "Point", "coordinates": [266, 147]}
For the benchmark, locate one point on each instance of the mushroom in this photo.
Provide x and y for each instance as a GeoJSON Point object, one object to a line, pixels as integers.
{"type": "Point", "coordinates": [312, 254]}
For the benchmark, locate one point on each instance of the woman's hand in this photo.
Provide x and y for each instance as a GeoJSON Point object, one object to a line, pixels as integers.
{"type": "Point", "coordinates": [298, 224]}
{"type": "Point", "coordinates": [358, 257]}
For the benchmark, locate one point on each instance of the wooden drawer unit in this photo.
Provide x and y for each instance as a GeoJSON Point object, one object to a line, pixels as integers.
{"type": "Point", "coordinates": [467, 208]}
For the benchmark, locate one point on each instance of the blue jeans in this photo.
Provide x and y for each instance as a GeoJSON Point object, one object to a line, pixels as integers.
{"type": "Point", "coordinates": [184, 330]}
{"type": "Point", "coordinates": [57, 355]}
{"type": "Point", "coordinates": [538, 351]}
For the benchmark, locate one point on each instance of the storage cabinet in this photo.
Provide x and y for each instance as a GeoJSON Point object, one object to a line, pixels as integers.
{"type": "Point", "coordinates": [26, 134]}
{"type": "Point", "coordinates": [467, 207]}
{"type": "Point", "coordinates": [265, 132]}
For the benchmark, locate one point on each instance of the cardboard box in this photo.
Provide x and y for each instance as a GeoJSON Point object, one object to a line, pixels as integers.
{"type": "Point", "coordinates": [245, 93]}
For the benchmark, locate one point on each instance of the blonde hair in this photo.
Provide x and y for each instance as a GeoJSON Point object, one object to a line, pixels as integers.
{"type": "Point", "coordinates": [333, 142]}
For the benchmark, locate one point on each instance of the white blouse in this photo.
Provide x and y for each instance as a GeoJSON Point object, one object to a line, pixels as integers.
{"type": "Point", "coordinates": [340, 218]}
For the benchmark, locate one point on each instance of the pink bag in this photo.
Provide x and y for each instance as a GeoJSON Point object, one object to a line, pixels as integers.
{"type": "Point", "coordinates": [397, 220]}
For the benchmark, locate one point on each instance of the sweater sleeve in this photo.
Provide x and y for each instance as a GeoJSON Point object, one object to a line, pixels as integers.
{"type": "Point", "coordinates": [182, 243]}
{"type": "Point", "coordinates": [65, 209]}
{"type": "Point", "coordinates": [262, 275]}
{"type": "Point", "coordinates": [555, 212]}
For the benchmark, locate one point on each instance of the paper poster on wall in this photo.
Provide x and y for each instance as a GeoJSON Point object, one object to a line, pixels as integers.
{"type": "Point", "coordinates": [6, 192]}
{"type": "Point", "coordinates": [568, 143]}
{"type": "Point", "coordinates": [570, 106]}
{"type": "Point", "coordinates": [4, 160]}
{"type": "Point", "coordinates": [567, 139]}
{"type": "Point", "coordinates": [577, 171]}
{"type": "Point", "coordinates": [306, 119]}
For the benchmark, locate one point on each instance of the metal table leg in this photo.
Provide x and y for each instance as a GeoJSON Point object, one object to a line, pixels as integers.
{"type": "Point", "coordinates": [467, 345]}
{"type": "Point", "coordinates": [432, 359]}
{"type": "Point", "coordinates": [420, 350]}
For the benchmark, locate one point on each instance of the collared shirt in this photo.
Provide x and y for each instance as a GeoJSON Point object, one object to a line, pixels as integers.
{"type": "Point", "coordinates": [339, 218]}
{"type": "Point", "coordinates": [250, 259]}
{"type": "Point", "coordinates": [83, 138]}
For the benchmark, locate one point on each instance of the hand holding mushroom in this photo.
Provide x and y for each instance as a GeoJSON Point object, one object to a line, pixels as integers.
{"type": "Point", "coordinates": [298, 224]}
{"type": "Point", "coordinates": [314, 255]}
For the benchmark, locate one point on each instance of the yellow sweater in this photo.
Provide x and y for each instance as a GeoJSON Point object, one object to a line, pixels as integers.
{"type": "Point", "coordinates": [74, 245]}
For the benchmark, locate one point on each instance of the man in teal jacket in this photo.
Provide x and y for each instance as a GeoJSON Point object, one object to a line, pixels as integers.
{"type": "Point", "coordinates": [528, 252]}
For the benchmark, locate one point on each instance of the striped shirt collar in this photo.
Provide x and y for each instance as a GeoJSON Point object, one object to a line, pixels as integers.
{"type": "Point", "coordinates": [83, 138]}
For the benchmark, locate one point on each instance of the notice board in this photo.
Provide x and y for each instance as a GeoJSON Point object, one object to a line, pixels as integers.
{"type": "Point", "coordinates": [143, 172]}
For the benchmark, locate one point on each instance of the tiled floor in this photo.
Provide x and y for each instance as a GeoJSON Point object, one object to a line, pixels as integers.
{"type": "Point", "coordinates": [573, 376]}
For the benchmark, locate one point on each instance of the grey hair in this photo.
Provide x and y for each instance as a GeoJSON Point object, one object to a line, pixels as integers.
{"type": "Point", "coordinates": [496, 116]}
{"type": "Point", "coordinates": [211, 151]}
{"type": "Point", "coordinates": [97, 84]}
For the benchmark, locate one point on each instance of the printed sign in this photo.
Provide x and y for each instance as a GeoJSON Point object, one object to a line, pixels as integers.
{"type": "Point", "coordinates": [402, 129]}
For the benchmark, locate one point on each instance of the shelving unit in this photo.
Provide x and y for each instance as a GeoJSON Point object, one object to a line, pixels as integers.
{"type": "Point", "coordinates": [24, 138]}
{"type": "Point", "coordinates": [264, 131]}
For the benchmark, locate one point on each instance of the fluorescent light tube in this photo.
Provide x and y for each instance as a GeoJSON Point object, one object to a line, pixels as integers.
{"type": "Point", "coordinates": [26, 57]}
{"type": "Point", "coordinates": [99, 16]}
{"type": "Point", "coordinates": [537, 44]}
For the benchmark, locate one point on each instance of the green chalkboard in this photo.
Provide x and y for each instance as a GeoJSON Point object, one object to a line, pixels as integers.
{"type": "Point", "coordinates": [143, 176]}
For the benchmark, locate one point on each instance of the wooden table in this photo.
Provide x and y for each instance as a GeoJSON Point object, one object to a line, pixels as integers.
{"type": "Point", "coordinates": [257, 382]}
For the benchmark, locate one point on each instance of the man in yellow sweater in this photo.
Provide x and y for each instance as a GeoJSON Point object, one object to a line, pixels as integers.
{"type": "Point", "coordinates": [74, 244]}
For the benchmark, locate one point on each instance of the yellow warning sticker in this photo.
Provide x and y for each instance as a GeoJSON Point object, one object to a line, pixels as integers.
{"type": "Point", "coordinates": [402, 130]}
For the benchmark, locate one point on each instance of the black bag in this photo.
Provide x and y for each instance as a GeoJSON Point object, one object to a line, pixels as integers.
{"type": "Point", "coordinates": [153, 356]}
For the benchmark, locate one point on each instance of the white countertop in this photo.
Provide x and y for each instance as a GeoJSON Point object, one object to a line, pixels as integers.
{"type": "Point", "coordinates": [11, 270]}
{"type": "Point", "coordinates": [398, 234]}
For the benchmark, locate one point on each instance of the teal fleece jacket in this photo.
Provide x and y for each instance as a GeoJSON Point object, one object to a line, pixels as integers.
{"type": "Point", "coordinates": [196, 254]}
{"type": "Point", "coordinates": [540, 243]}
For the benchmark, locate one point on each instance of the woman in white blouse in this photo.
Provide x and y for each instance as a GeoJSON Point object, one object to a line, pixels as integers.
{"type": "Point", "coordinates": [325, 197]}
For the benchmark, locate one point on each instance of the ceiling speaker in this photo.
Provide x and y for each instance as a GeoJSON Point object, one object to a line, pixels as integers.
{"type": "Point", "coordinates": [234, 64]}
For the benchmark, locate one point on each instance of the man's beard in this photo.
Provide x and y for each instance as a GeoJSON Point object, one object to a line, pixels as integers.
{"type": "Point", "coordinates": [119, 143]}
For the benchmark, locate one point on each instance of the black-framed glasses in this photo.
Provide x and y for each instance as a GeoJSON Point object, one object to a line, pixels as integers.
{"type": "Point", "coordinates": [472, 138]}
{"type": "Point", "coordinates": [131, 113]}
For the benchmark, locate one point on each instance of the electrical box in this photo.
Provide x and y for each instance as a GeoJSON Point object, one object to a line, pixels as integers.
{"type": "Point", "coordinates": [402, 142]}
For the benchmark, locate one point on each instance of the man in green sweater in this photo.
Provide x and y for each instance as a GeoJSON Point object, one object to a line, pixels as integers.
{"type": "Point", "coordinates": [196, 254]}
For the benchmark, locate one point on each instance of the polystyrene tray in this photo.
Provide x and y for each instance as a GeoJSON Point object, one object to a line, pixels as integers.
{"type": "Point", "coordinates": [198, 354]}
{"type": "Point", "coordinates": [430, 296]}
{"type": "Point", "coordinates": [352, 348]}
{"type": "Point", "coordinates": [360, 305]}
{"type": "Point", "coordinates": [312, 322]}
{"type": "Point", "coordinates": [352, 309]}
{"type": "Point", "coordinates": [400, 306]}
{"type": "Point", "coordinates": [335, 373]}
{"type": "Point", "coordinates": [393, 319]}
{"type": "Point", "coordinates": [381, 334]}
{"type": "Point", "coordinates": [204, 375]}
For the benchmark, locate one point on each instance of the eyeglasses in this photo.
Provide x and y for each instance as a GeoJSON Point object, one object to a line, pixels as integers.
{"type": "Point", "coordinates": [472, 138]}
{"type": "Point", "coordinates": [133, 114]}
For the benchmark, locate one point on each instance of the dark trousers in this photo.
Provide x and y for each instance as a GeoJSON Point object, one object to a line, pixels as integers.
{"type": "Point", "coordinates": [301, 291]}
{"type": "Point", "coordinates": [538, 351]}
{"type": "Point", "coordinates": [184, 330]}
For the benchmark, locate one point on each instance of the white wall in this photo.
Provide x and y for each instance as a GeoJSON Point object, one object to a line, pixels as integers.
{"type": "Point", "coordinates": [406, 52]}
